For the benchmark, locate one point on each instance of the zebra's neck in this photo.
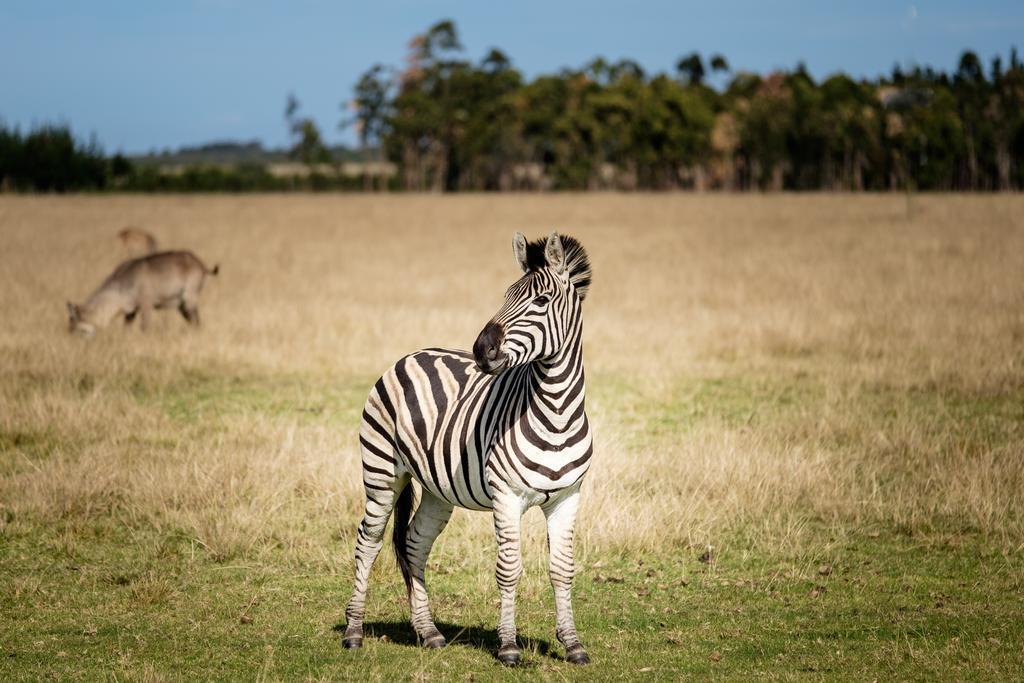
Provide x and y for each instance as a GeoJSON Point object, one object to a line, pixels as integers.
{"type": "Point", "coordinates": [558, 385]}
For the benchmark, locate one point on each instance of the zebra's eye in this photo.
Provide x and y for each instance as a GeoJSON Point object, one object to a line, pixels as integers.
{"type": "Point", "coordinates": [541, 300]}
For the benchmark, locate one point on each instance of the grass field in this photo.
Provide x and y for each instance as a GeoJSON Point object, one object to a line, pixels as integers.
{"type": "Point", "coordinates": [828, 390]}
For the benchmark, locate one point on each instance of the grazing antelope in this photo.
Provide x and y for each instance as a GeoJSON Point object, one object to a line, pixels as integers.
{"type": "Point", "coordinates": [138, 242]}
{"type": "Point", "coordinates": [136, 287]}
{"type": "Point", "coordinates": [502, 429]}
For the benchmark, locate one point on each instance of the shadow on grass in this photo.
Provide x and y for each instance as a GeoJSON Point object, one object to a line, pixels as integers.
{"type": "Point", "coordinates": [486, 639]}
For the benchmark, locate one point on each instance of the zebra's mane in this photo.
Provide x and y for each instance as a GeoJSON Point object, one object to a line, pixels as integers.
{"type": "Point", "coordinates": [575, 260]}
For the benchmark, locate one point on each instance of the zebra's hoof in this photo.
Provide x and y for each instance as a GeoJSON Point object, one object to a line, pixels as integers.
{"type": "Point", "coordinates": [353, 643]}
{"type": "Point", "coordinates": [510, 656]}
{"type": "Point", "coordinates": [434, 642]}
{"type": "Point", "coordinates": [577, 655]}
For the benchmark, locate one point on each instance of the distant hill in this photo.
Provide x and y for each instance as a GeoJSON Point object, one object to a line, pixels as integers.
{"type": "Point", "coordinates": [231, 152]}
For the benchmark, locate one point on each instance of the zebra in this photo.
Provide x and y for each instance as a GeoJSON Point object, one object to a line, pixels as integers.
{"type": "Point", "coordinates": [502, 428]}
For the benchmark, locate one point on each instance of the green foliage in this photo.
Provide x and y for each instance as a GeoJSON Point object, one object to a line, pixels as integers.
{"type": "Point", "coordinates": [248, 177]}
{"type": "Point", "coordinates": [370, 106]}
{"type": "Point", "coordinates": [719, 63]}
{"type": "Point", "coordinates": [449, 125]}
{"type": "Point", "coordinates": [691, 68]}
{"type": "Point", "coordinates": [243, 178]}
{"type": "Point", "coordinates": [49, 159]}
{"type": "Point", "coordinates": [308, 146]}
{"type": "Point", "coordinates": [452, 125]}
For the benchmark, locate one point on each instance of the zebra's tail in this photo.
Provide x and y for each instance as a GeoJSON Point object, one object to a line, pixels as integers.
{"type": "Point", "coordinates": [399, 537]}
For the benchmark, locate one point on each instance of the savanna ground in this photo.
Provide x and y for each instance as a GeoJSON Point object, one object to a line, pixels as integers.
{"type": "Point", "coordinates": [828, 390]}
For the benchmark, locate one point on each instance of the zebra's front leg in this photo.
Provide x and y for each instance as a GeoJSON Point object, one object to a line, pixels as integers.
{"type": "Point", "coordinates": [508, 512]}
{"type": "Point", "coordinates": [430, 519]}
{"type": "Point", "coordinates": [561, 517]}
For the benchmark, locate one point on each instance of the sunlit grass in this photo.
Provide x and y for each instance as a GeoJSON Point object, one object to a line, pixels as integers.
{"type": "Point", "coordinates": [794, 381]}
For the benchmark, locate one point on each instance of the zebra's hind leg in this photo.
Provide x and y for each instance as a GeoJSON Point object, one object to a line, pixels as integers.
{"type": "Point", "coordinates": [428, 522]}
{"type": "Point", "coordinates": [561, 518]}
{"type": "Point", "coordinates": [380, 500]}
{"type": "Point", "coordinates": [508, 512]}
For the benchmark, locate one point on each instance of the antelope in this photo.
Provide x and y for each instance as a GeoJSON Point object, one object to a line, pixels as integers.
{"type": "Point", "coordinates": [140, 285]}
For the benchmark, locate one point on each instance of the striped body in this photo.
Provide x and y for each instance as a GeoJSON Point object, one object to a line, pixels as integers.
{"type": "Point", "coordinates": [502, 428]}
{"type": "Point", "coordinates": [459, 431]}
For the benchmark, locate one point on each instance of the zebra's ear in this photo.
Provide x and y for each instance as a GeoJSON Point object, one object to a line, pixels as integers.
{"type": "Point", "coordinates": [554, 254]}
{"type": "Point", "coordinates": [519, 251]}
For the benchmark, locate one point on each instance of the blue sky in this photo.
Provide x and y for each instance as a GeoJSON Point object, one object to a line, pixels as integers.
{"type": "Point", "coordinates": [151, 74]}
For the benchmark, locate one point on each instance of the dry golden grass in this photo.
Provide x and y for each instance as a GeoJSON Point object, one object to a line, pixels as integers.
{"type": "Point", "coordinates": [759, 367]}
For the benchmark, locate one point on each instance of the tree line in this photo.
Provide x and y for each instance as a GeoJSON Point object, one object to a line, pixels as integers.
{"type": "Point", "coordinates": [50, 159]}
{"type": "Point", "coordinates": [450, 124]}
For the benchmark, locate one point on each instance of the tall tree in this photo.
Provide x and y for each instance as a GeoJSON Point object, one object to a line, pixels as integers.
{"type": "Point", "coordinates": [972, 96]}
{"type": "Point", "coordinates": [691, 68]}
{"type": "Point", "coordinates": [307, 143]}
{"type": "Point", "coordinates": [371, 109]}
{"type": "Point", "coordinates": [450, 124]}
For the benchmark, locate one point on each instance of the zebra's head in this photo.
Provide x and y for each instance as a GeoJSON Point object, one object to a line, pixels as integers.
{"type": "Point", "coordinates": [542, 309]}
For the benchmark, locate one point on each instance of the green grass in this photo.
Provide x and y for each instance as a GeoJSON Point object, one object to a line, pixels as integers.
{"type": "Point", "coordinates": [753, 400]}
{"type": "Point", "coordinates": [107, 603]}
{"type": "Point", "coordinates": [198, 395]}
{"type": "Point", "coordinates": [105, 596]}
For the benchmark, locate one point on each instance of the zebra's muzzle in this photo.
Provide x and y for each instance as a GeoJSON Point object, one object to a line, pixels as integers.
{"type": "Point", "coordinates": [487, 349]}
{"type": "Point", "coordinates": [493, 368]}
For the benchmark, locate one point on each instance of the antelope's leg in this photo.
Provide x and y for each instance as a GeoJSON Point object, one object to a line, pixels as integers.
{"type": "Point", "coordinates": [145, 311]}
{"type": "Point", "coordinates": [190, 312]}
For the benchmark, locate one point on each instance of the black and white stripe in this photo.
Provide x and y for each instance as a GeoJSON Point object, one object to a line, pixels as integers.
{"type": "Point", "coordinates": [502, 428]}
